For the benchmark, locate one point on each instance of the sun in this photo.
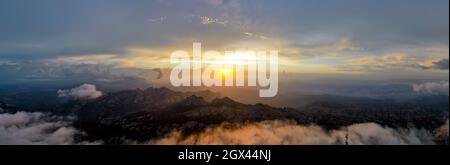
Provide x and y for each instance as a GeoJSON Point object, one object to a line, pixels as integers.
{"type": "Point", "coordinates": [225, 71]}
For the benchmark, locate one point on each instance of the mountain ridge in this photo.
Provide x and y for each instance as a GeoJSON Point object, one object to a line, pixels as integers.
{"type": "Point", "coordinates": [161, 110]}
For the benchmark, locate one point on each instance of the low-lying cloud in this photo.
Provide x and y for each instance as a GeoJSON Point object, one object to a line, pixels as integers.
{"type": "Point", "coordinates": [38, 128]}
{"type": "Point", "coordinates": [290, 133]}
{"type": "Point", "coordinates": [35, 128]}
{"type": "Point", "coordinates": [85, 91]}
{"type": "Point", "coordinates": [432, 88]}
{"type": "Point", "coordinates": [442, 133]}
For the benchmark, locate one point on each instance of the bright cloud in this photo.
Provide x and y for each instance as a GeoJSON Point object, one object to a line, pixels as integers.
{"type": "Point", "coordinates": [85, 91]}
{"type": "Point", "coordinates": [432, 87]}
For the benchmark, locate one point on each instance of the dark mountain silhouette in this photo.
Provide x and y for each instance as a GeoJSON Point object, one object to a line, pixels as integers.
{"type": "Point", "coordinates": [7, 108]}
{"type": "Point", "coordinates": [152, 113]}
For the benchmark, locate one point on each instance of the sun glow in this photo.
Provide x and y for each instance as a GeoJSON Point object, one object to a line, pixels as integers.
{"type": "Point", "coordinates": [214, 69]}
{"type": "Point", "coordinates": [225, 71]}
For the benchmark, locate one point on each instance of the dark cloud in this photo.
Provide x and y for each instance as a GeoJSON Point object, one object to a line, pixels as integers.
{"type": "Point", "coordinates": [45, 30]}
{"type": "Point", "coordinates": [442, 64]}
{"type": "Point", "coordinates": [61, 76]}
{"type": "Point", "coordinates": [373, 25]}
{"type": "Point", "coordinates": [94, 27]}
{"type": "Point", "coordinates": [66, 28]}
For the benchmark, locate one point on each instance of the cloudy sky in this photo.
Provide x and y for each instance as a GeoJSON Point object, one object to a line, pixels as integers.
{"type": "Point", "coordinates": [62, 39]}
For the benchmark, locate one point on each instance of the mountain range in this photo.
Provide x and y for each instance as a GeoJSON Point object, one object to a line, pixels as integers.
{"type": "Point", "coordinates": [140, 115]}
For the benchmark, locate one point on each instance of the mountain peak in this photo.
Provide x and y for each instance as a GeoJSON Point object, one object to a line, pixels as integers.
{"type": "Point", "coordinates": [161, 90]}
{"type": "Point", "coordinates": [225, 101]}
{"type": "Point", "coordinates": [193, 101]}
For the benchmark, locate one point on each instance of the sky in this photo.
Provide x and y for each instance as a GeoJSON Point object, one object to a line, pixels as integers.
{"type": "Point", "coordinates": [111, 40]}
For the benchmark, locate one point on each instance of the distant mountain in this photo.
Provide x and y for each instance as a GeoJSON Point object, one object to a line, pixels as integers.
{"type": "Point", "coordinates": [148, 100]}
{"type": "Point", "coordinates": [145, 114]}
{"type": "Point", "coordinates": [7, 108]}
{"type": "Point", "coordinates": [154, 112]}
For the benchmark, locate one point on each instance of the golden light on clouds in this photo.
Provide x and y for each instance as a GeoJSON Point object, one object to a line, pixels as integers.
{"type": "Point", "coordinates": [388, 59]}
{"type": "Point", "coordinates": [327, 59]}
{"type": "Point", "coordinates": [85, 59]}
{"type": "Point", "coordinates": [324, 69]}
